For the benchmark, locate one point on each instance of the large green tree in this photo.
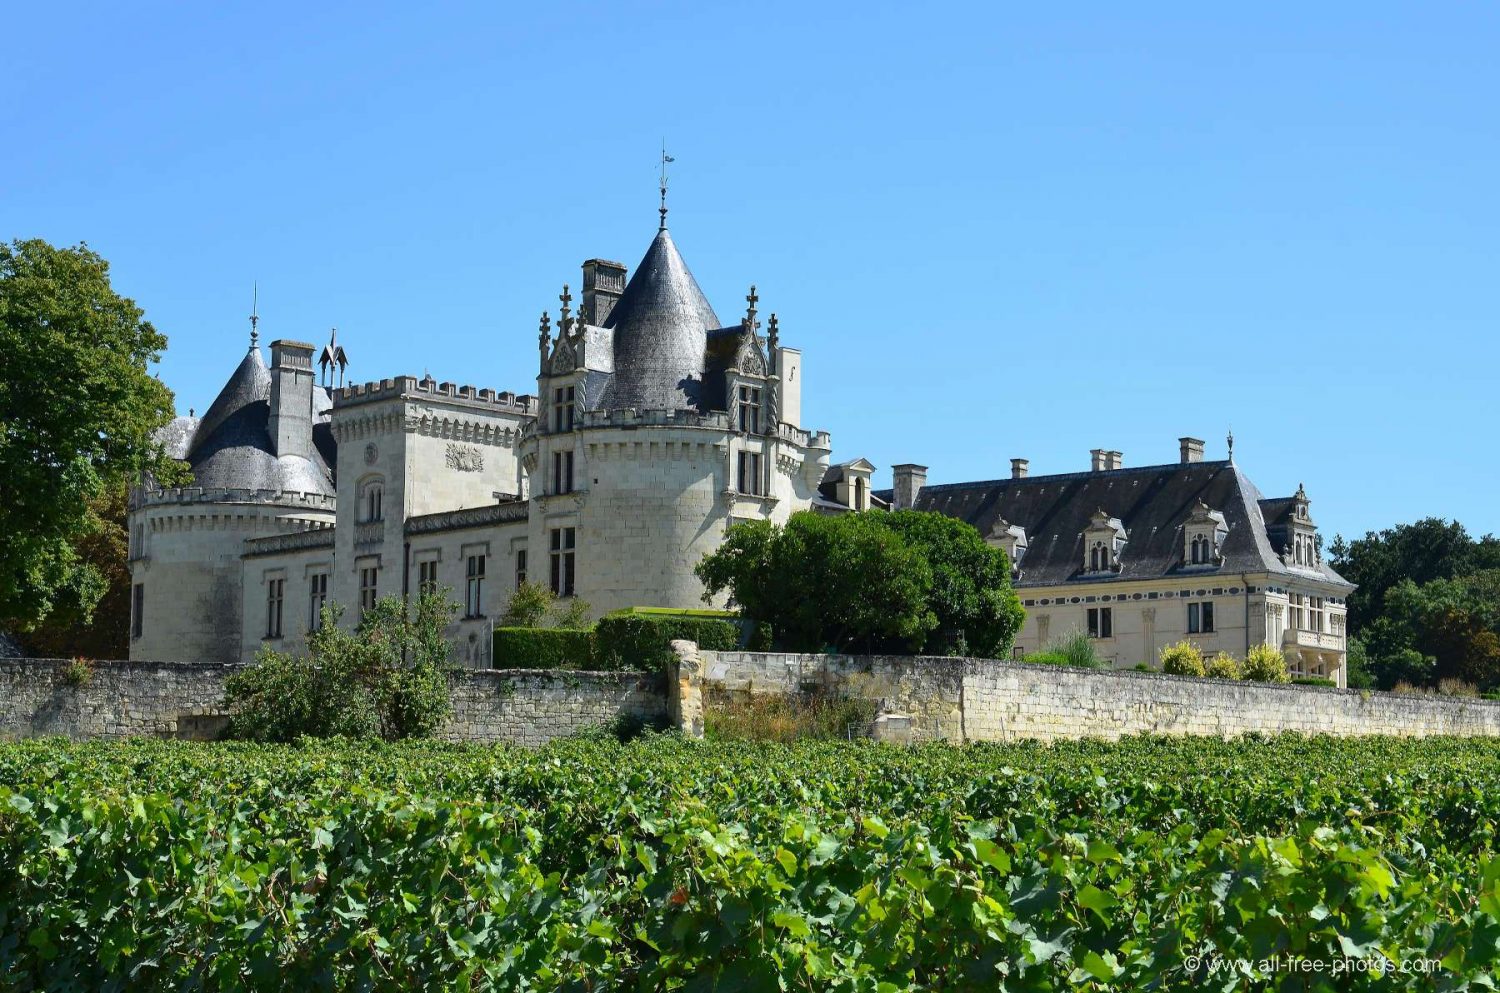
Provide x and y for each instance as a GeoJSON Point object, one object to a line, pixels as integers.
{"type": "Point", "coordinates": [976, 607]}
{"type": "Point", "coordinates": [78, 410]}
{"type": "Point", "coordinates": [844, 583]}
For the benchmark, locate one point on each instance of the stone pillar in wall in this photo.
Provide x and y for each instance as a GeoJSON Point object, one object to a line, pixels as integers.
{"type": "Point", "coordinates": [685, 689]}
{"type": "Point", "coordinates": [1148, 634]}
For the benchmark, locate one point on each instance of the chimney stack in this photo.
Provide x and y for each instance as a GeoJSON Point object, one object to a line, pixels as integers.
{"type": "Point", "coordinates": [291, 398]}
{"type": "Point", "coordinates": [1096, 459]}
{"type": "Point", "coordinates": [603, 282]}
{"type": "Point", "coordinates": [1113, 460]}
{"type": "Point", "coordinates": [1191, 449]}
{"type": "Point", "coordinates": [1020, 468]}
{"type": "Point", "coordinates": [908, 480]}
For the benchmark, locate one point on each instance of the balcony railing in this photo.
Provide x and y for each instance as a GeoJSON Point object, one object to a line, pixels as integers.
{"type": "Point", "coordinates": [1314, 639]}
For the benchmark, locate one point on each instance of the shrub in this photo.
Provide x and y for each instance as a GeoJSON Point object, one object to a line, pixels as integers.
{"type": "Point", "coordinates": [387, 678]}
{"type": "Point", "coordinates": [528, 605]}
{"type": "Point", "coordinates": [762, 636]}
{"type": "Point", "coordinates": [1313, 681]}
{"type": "Point", "coordinates": [1449, 686]}
{"type": "Point", "coordinates": [1266, 664]}
{"type": "Point", "coordinates": [1182, 659]}
{"type": "Point", "coordinates": [1223, 666]}
{"type": "Point", "coordinates": [636, 641]}
{"type": "Point", "coordinates": [78, 672]}
{"type": "Point", "coordinates": [1144, 667]}
{"type": "Point", "coordinates": [574, 614]}
{"type": "Point", "coordinates": [776, 717]}
{"type": "Point", "coordinates": [1045, 658]}
{"type": "Point", "coordinates": [543, 648]}
{"type": "Point", "coordinates": [1079, 651]}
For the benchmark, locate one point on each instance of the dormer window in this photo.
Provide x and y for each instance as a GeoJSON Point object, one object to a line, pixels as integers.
{"type": "Point", "coordinates": [1203, 537]}
{"type": "Point", "coordinates": [1009, 538]}
{"type": "Point", "coordinates": [563, 407]}
{"type": "Point", "coordinates": [1103, 543]}
{"type": "Point", "coordinates": [749, 410]}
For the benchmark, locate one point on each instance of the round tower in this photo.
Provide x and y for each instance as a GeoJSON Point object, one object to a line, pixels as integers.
{"type": "Point", "coordinates": [260, 460]}
{"type": "Point", "coordinates": [658, 429]}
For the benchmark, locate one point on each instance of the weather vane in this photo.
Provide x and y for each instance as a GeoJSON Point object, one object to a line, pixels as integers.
{"type": "Point", "coordinates": [254, 314]}
{"type": "Point", "coordinates": [665, 158]}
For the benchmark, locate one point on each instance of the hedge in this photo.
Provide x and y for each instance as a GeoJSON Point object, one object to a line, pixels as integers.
{"type": "Point", "coordinates": [631, 640]}
{"type": "Point", "coordinates": [1313, 681]}
{"type": "Point", "coordinates": [543, 648]}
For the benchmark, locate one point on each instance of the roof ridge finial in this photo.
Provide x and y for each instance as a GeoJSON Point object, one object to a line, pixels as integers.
{"type": "Point", "coordinates": [1231, 445]}
{"type": "Point", "coordinates": [254, 315]}
{"type": "Point", "coordinates": [752, 298]}
{"type": "Point", "coordinates": [665, 158]}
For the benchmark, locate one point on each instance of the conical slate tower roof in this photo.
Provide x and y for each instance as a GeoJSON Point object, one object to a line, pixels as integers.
{"type": "Point", "coordinates": [661, 326]}
{"type": "Point", "coordinates": [250, 382]}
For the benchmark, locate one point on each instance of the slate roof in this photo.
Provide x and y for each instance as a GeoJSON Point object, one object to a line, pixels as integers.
{"type": "Point", "coordinates": [231, 446]}
{"type": "Point", "coordinates": [1152, 502]}
{"type": "Point", "coordinates": [660, 324]}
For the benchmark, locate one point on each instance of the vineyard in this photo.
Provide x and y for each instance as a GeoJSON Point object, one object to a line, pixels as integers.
{"type": "Point", "coordinates": [1277, 863]}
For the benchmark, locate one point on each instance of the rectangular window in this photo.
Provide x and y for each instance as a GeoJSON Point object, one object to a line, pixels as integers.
{"type": "Point", "coordinates": [749, 473]}
{"type": "Point", "coordinates": [137, 609]}
{"type": "Point", "coordinates": [1101, 622]}
{"type": "Point", "coordinates": [520, 567]}
{"type": "Point", "coordinates": [1315, 614]}
{"type": "Point", "coordinates": [1295, 616]}
{"type": "Point", "coordinates": [474, 597]}
{"type": "Point", "coordinates": [367, 579]}
{"type": "Point", "coordinates": [275, 589]}
{"type": "Point", "coordinates": [317, 597]}
{"type": "Point", "coordinates": [562, 472]}
{"type": "Point", "coordinates": [562, 408]}
{"type": "Point", "coordinates": [563, 541]}
{"type": "Point", "coordinates": [749, 408]}
{"type": "Point", "coordinates": [1201, 617]}
{"type": "Point", "coordinates": [427, 577]}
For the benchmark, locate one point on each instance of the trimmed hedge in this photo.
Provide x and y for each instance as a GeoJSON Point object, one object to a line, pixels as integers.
{"type": "Point", "coordinates": [644, 641]}
{"type": "Point", "coordinates": [1313, 681]}
{"type": "Point", "coordinates": [543, 648]}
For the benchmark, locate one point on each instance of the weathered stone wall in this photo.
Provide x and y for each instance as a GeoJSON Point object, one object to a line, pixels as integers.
{"type": "Point", "coordinates": [170, 699]}
{"type": "Point", "coordinates": [983, 700]}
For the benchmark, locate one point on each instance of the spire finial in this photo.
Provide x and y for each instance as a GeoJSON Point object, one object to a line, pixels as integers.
{"type": "Point", "coordinates": [565, 322]}
{"type": "Point", "coordinates": [752, 298]}
{"type": "Point", "coordinates": [254, 315]}
{"type": "Point", "coordinates": [773, 332]}
{"type": "Point", "coordinates": [1231, 444]}
{"type": "Point", "coordinates": [544, 337]}
{"type": "Point", "coordinates": [665, 158]}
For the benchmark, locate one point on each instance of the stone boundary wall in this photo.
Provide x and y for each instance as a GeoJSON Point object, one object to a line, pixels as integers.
{"type": "Point", "coordinates": [984, 700]}
{"type": "Point", "coordinates": [176, 699]}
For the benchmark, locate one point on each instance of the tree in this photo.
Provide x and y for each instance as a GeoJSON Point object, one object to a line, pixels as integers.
{"type": "Point", "coordinates": [1430, 549]}
{"type": "Point", "coordinates": [103, 632]}
{"type": "Point", "coordinates": [78, 412]}
{"type": "Point", "coordinates": [971, 593]}
{"type": "Point", "coordinates": [387, 678]}
{"type": "Point", "coordinates": [825, 582]}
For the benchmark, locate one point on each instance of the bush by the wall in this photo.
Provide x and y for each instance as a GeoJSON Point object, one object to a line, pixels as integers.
{"type": "Point", "coordinates": [543, 648]}
{"type": "Point", "coordinates": [1266, 664]}
{"type": "Point", "coordinates": [1223, 666]}
{"type": "Point", "coordinates": [1314, 681]}
{"type": "Point", "coordinates": [643, 641]}
{"type": "Point", "coordinates": [1182, 659]}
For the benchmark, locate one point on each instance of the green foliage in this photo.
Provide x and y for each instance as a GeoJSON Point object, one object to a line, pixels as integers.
{"type": "Point", "coordinates": [387, 678]}
{"type": "Point", "coordinates": [1182, 659]}
{"type": "Point", "coordinates": [77, 623]}
{"type": "Point", "coordinates": [528, 605]}
{"type": "Point", "coordinates": [779, 717]}
{"type": "Point", "coordinates": [1222, 666]}
{"type": "Point", "coordinates": [78, 673]}
{"type": "Point", "coordinates": [1075, 649]}
{"type": "Point", "coordinates": [842, 582]}
{"type": "Point", "coordinates": [897, 582]}
{"type": "Point", "coordinates": [1313, 681]}
{"type": "Point", "coordinates": [78, 410]}
{"type": "Point", "coordinates": [672, 864]}
{"type": "Point", "coordinates": [971, 594]}
{"type": "Point", "coordinates": [543, 648]}
{"type": "Point", "coordinates": [572, 613]}
{"type": "Point", "coordinates": [643, 641]}
{"type": "Point", "coordinates": [1265, 664]}
{"type": "Point", "coordinates": [1427, 607]}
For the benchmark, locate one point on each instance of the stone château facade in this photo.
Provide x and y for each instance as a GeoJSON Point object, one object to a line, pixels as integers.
{"type": "Point", "coordinates": [655, 426]}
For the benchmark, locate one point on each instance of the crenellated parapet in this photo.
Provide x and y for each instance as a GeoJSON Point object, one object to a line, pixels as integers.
{"type": "Point", "coordinates": [429, 388]}
{"type": "Point", "coordinates": [141, 498]}
{"type": "Point", "coordinates": [319, 535]}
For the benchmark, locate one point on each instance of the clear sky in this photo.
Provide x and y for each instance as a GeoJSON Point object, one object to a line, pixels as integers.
{"type": "Point", "coordinates": [994, 230]}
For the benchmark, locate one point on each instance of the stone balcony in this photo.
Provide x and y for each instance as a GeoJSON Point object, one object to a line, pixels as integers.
{"type": "Point", "coordinates": [1315, 640]}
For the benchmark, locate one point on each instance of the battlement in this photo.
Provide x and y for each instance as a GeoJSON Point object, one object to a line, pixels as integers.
{"type": "Point", "coordinates": [629, 417]}
{"type": "Point", "coordinates": [188, 495]}
{"type": "Point", "coordinates": [431, 389]}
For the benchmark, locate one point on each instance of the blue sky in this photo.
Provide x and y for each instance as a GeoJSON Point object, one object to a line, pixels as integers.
{"type": "Point", "coordinates": [995, 231]}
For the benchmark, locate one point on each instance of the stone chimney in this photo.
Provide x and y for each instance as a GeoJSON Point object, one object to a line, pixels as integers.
{"type": "Point", "coordinates": [1191, 449]}
{"type": "Point", "coordinates": [291, 398]}
{"type": "Point", "coordinates": [1020, 468]}
{"type": "Point", "coordinates": [603, 282]}
{"type": "Point", "coordinates": [908, 480]}
{"type": "Point", "coordinates": [1096, 459]}
{"type": "Point", "coordinates": [1113, 460]}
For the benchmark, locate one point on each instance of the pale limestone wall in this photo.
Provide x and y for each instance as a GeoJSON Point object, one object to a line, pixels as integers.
{"type": "Point", "coordinates": [984, 700]}
{"type": "Point", "coordinates": [125, 699]}
{"type": "Point", "coordinates": [499, 543]}
{"type": "Point", "coordinates": [295, 567]}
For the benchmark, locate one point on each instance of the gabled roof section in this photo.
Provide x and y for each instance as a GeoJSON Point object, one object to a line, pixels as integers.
{"type": "Point", "coordinates": [1152, 502]}
{"type": "Point", "coordinates": [660, 326]}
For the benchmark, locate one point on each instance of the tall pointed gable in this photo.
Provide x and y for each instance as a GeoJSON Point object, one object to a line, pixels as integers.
{"type": "Point", "coordinates": [250, 382]}
{"type": "Point", "coordinates": [660, 327]}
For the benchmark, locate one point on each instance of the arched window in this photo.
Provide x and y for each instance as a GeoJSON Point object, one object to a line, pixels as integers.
{"type": "Point", "coordinates": [372, 499]}
{"type": "Point", "coordinates": [859, 495]}
{"type": "Point", "coordinates": [1197, 550]}
{"type": "Point", "coordinates": [1098, 558]}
